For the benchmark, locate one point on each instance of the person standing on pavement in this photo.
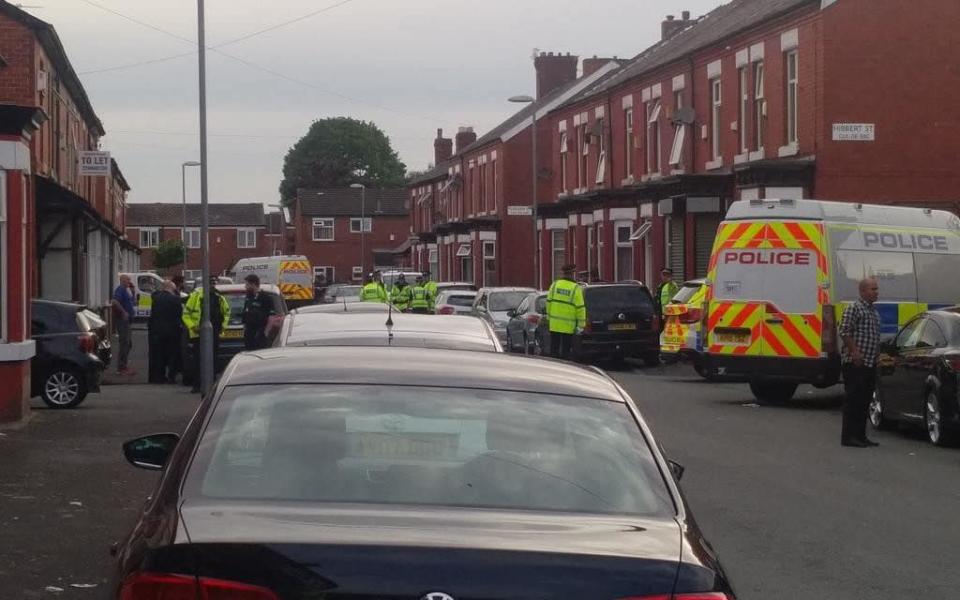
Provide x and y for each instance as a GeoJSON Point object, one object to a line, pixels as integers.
{"type": "Point", "coordinates": [400, 294]}
{"type": "Point", "coordinates": [860, 332]}
{"type": "Point", "coordinates": [566, 312]}
{"type": "Point", "coordinates": [420, 298]}
{"type": "Point", "coordinates": [665, 292]}
{"type": "Point", "coordinates": [431, 286]}
{"type": "Point", "coordinates": [219, 318]}
{"type": "Point", "coordinates": [123, 312]}
{"type": "Point", "coordinates": [373, 290]}
{"type": "Point", "coordinates": [163, 333]}
{"type": "Point", "coordinates": [257, 310]}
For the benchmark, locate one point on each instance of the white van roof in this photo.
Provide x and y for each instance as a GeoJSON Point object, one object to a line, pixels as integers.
{"type": "Point", "coordinates": [842, 212]}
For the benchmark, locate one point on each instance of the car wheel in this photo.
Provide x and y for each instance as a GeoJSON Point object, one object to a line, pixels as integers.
{"type": "Point", "coordinates": [933, 419]}
{"type": "Point", "coordinates": [772, 392]}
{"type": "Point", "coordinates": [63, 388]}
{"type": "Point", "coordinates": [877, 418]}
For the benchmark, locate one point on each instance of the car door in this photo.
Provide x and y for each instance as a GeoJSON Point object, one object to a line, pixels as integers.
{"type": "Point", "coordinates": [895, 372]}
{"type": "Point", "coordinates": [517, 320]}
{"type": "Point", "coordinates": [919, 363]}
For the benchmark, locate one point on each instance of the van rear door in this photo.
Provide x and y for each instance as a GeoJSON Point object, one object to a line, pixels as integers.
{"type": "Point", "coordinates": [767, 289]}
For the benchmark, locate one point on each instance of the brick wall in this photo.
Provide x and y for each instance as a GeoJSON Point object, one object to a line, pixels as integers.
{"type": "Point", "coordinates": [343, 253]}
{"type": "Point", "coordinates": [223, 248]}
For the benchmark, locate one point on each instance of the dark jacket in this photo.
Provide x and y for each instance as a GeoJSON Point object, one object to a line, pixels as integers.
{"type": "Point", "coordinates": [165, 314]}
{"type": "Point", "coordinates": [257, 309]}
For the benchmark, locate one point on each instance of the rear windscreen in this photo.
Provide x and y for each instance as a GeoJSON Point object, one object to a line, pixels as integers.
{"type": "Point", "coordinates": [603, 301]}
{"type": "Point", "coordinates": [460, 300]}
{"type": "Point", "coordinates": [783, 277]}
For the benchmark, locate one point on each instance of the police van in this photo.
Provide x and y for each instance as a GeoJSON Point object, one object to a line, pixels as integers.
{"type": "Point", "coordinates": [782, 272]}
{"type": "Point", "coordinates": [292, 274]}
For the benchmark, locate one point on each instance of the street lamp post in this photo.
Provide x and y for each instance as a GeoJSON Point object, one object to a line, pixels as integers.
{"type": "Point", "coordinates": [363, 228]}
{"type": "Point", "coordinates": [206, 328]}
{"type": "Point", "coordinates": [537, 274]}
{"type": "Point", "coordinates": [183, 180]}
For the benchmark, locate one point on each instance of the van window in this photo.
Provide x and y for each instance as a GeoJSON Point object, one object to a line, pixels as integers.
{"type": "Point", "coordinates": [935, 282]}
{"type": "Point", "coordinates": [893, 271]}
{"type": "Point", "coordinates": [784, 277]}
{"type": "Point", "coordinates": [147, 284]}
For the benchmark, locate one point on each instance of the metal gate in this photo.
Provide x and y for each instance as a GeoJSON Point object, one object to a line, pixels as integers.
{"type": "Point", "coordinates": [705, 231]}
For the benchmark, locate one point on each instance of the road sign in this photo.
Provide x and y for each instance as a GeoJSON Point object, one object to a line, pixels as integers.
{"type": "Point", "coordinates": [854, 132]}
{"type": "Point", "coordinates": [94, 163]}
{"type": "Point", "coordinates": [519, 211]}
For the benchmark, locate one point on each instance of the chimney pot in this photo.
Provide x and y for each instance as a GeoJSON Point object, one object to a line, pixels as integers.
{"type": "Point", "coordinates": [686, 15]}
{"type": "Point", "coordinates": [670, 26]}
{"type": "Point", "coordinates": [465, 137]}
{"type": "Point", "coordinates": [554, 70]}
{"type": "Point", "coordinates": [670, 17]}
{"type": "Point", "coordinates": [442, 148]}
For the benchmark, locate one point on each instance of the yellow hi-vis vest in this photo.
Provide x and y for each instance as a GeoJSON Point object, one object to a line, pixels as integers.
{"type": "Point", "coordinates": [565, 307]}
{"type": "Point", "coordinates": [373, 292]}
{"type": "Point", "coordinates": [420, 298]}
{"type": "Point", "coordinates": [431, 287]}
{"type": "Point", "coordinates": [193, 311]}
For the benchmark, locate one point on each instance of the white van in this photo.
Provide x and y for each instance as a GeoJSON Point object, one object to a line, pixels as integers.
{"type": "Point", "coordinates": [145, 283]}
{"type": "Point", "coordinates": [292, 274]}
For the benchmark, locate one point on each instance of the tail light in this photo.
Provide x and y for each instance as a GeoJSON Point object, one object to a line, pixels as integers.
{"type": "Point", "coordinates": [445, 310]}
{"type": "Point", "coordinates": [953, 361]}
{"type": "Point", "coordinates": [828, 336]}
{"type": "Point", "coordinates": [691, 316]}
{"type": "Point", "coordinates": [88, 343]}
{"type": "Point", "coordinates": [700, 596]}
{"type": "Point", "coordinates": [533, 319]}
{"type": "Point", "coordinates": [156, 586]}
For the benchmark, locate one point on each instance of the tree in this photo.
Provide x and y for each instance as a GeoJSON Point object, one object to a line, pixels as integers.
{"type": "Point", "coordinates": [337, 152]}
{"type": "Point", "coordinates": [169, 253]}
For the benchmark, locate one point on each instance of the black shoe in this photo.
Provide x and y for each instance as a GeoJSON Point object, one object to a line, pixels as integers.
{"type": "Point", "coordinates": [854, 444]}
{"type": "Point", "coordinates": [869, 442]}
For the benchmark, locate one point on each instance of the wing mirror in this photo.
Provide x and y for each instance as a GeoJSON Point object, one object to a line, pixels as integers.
{"type": "Point", "coordinates": [677, 469]}
{"type": "Point", "coordinates": [512, 313]}
{"type": "Point", "coordinates": [151, 452]}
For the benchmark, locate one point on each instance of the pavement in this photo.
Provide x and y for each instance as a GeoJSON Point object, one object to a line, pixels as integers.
{"type": "Point", "coordinates": [792, 514]}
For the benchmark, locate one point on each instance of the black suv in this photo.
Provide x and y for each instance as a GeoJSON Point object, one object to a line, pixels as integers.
{"type": "Point", "coordinates": [73, 349]}
{"type": "Point", "coordinates": [621, 323]}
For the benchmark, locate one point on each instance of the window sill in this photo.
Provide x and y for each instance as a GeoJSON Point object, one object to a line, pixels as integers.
{"type": "Point", "coordinates": [17, 351]}
{"type": "Point", "coordinates": [713, 165]}
{"type": "Point", "coordinates": [741, 158]}
{"type": "Point", "coordinates": [628, 181]}
{"type": "Point", "coordinates": [654, 176]}
{"type": "Point", "coordinates": [758, 155]}
{"type": "Point", "coordinates": [678, 171]}
{"type": "Point", "coordinates": [788, 150]}
{"type": "Point", "coordinates": [315, 240]}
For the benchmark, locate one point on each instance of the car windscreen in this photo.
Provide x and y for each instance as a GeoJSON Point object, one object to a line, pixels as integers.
{"type": "Point", "coordinates": [412, 445]}
{"type": "Point", "coordinates": [459, 299]}
{"type": "Point", "coordinates": [437, 341]}
{"type": "Point", "coordinates": [685, 293]}
{"type": "Point", "coordinates": [504, 301]}
{"type": "Point", "coordinates": [606, 301]}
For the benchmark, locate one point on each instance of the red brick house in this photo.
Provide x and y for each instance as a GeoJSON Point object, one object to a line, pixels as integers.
{"type": "Point", "coordinates": [236, 231]}
{"type": "Point", "coordinates": [346, 232]}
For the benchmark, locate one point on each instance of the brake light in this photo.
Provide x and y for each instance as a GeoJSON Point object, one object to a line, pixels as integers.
{"type": "Point", "coordinates": [691, 316]}
{"type": "Point", "coordinates": [88, 343]}
{"type": "Point", "coordinates": [161, 586]}
{"type": "Point", "coordinates": [533, 319]}
{"type": "Point", "coordinates": [445, 310]}
{"type": "Point", "coordinates": [953, 361]}
{"type": "Point", "coordinates": [828, 336]}
{"type": "Point", "coordinates": [700, 596]}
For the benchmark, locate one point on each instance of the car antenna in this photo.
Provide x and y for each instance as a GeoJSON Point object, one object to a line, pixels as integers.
{"type": "Point", "coordinates": [389, 323]}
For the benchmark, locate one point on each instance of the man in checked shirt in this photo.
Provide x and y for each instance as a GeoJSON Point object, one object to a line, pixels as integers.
{"type": "Point", "coordinates": [860, 332]}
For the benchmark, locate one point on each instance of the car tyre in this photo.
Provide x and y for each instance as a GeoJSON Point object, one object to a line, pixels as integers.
{"type": "Point", "coordinates": [772, 392]}
{"type": "Point", "coordinates": [63, 387]}
{"type": "Point", "coordinates": [704, 372]}
{"type": "Point", "coordinates": [878, 419]}
{"type": "Point", "coordinates": [937, 433]}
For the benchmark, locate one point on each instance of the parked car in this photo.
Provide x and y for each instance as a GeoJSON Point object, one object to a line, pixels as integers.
{"type": "Point", "coordinates": [682, 335]}
{"type": "Point", "coordinates": [345, 308]}
{"type": "Point", "coordinates": [493, 303]}
{"type": "Point", "coordinates": [918, 383]}
{"type": "Point", "coordinates": [341, 293]}
{"type": "Point", "coordinates": [621, 323]}
{"type": "Point", "coordinates": [443, 286]}
{"type": "Point", "coordinates": [307, 470]}
{"type": "Point", "coordinates": [231, 338]}
{"type": "Point", "coordinates": [73, 349]}
{"type": "Point", "coordinates": [522, 326]}
{"type": "Point", "coordinates": [455, 302]}
{"type": "Point", "coordinates": [366, 329]}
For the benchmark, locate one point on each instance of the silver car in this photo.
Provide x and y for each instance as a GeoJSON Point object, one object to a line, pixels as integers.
{"type": "Point", "coordinates": [492, 305]}
{"type": "Point", "coordinates": [455, 302]}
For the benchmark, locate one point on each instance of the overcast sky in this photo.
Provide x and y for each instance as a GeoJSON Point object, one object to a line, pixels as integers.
{"type": "Point", "coordinates": [410, 66]}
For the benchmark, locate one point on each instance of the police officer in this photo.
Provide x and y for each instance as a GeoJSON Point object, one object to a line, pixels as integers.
{"type": "Point", "coordinates": [420, 298]}
{"type": "Point", "coordinates": [257, 310]}
{"type": "Point", "coordinates": [219, 318]}
{"type": "Point", "coordinates": [566, 312]}
{"type": "Point", "coordinates": [431, 289]}
{"type": "Point", "coordinates": [373, 290]}
{"type": "Point", "coordinates": [665, 293]}
{"type": "Point", "coordinates": [400, 294]}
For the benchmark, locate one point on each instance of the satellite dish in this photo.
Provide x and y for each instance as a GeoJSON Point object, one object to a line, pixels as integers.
{"type": "Point", "coordinates": [685, 116]}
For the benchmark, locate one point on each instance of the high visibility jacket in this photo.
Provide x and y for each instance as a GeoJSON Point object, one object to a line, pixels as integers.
{"type": "Point", "coordinates": [565, 307]}
{"type": "Point", "coordinates": [193, 310]}
{"type": "Point", "coordinates": [419, 298]}
{"type": "Point", "coordinates": [373, 292]}
{"type": "Point", "coordinates": [665, 294]}
{"type": "Point", "coordinates": [400, 296]}
{"type": "Point", "coordinates": [431, 287]}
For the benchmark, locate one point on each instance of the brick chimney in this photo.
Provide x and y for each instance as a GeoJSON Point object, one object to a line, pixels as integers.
{"type": "Point", "coordinates": [672, 26]}
{"type": "Point", "coordinates": [465, 137]}
{"type": "Point", "coordinates": [442, 149]}
{"type": "Point", "coordinates": [592, 65]}
{"type": "Point", "coordinates": [554, 70]}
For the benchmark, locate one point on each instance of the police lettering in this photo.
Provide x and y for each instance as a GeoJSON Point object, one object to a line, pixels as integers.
{"type": "Point", "coordinates": [905, 241]}
{"type": "Point", "coordinates": [777, 257]}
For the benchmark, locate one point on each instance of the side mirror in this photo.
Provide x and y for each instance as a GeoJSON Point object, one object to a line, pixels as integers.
{"type": "Point", "coordinates": [677, 469]}
{"type": "Point", "coordinates": [512, 313]}
{"type": "Point", "coordinates": [151, 452]}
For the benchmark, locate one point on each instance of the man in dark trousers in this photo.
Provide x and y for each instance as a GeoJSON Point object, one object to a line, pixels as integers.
{"type": "Point", "coordinates": [257, 309]}
{"type": "Point", "coordinates": [163, 329]}
{"type": "Point", "coordinates": [192, 313]}
{"type": "Point", "coordinates": [860, 332]}
{"type": "Point", "coordinates": [566, 312]}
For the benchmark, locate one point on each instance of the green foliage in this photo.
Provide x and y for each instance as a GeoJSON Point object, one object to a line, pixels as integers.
{"type": "Point", "coordinates": [169, 253]}
{"type": "Point", "coordinates": [337, 152]}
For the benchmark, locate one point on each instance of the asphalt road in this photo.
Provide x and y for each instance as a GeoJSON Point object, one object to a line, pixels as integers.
{"type": "Point", "coordinates": [792, 514]}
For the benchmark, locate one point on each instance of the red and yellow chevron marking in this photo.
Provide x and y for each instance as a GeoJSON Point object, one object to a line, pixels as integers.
{"type": "Point", "coordinates": [789, 335]}
{"type": "Point", "coordinates": [295, 265]}
{"type": "Point", "coordinates": [293, 291]}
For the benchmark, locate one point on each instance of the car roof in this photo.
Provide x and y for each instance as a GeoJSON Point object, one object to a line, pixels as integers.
{"type": "Point", "coordinates": [459, 292]}
{"type": "Point", "coordinates": [507, 289]}
{"type": "Point", "coordinates": [71, 306]}
{"type": "Point", "coordinates": [591, 286]}
{"type": "Point", "coordinates": [340, 307]}
{"type": "Point", "coordinates": [317, 326]}
{"type": "Point", "coordinates": [693, 282]}
{"type": "Point", "coordinates": [420, 367]}
{"type": "Point", "coordinates": [233, 288]}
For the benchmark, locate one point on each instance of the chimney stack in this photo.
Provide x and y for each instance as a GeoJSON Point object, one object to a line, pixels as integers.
{"type": "Point", "coordinates": [671, 26]}
{"type": "Point", "coordinates": [592, 65]}
{"type": "Point", "coordinates": [465, 137]}
{"type": "Point", "coordinates": [442, 149]}
{"type": "Point", "coordinates": [554, 71]}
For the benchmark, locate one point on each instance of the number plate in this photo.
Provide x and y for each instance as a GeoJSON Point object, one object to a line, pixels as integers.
{"type": "Point", "coordinates": [231, 334]}
{"type": "Point", "coordinates": [623, 327]}
{"type": "Point", "coordinates": [732, 338]}
{"type": "Point", "coordinates": [674, 339]}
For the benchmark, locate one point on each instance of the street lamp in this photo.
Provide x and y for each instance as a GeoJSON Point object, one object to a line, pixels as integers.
{"type": "Point", "coordinates": [533, 211]}
{"type": "Point", "coordinates": [206, 329]}
{"type": "Point", "coordinates": [363, 228]}
{"type": "Point", "coordinates": [183, 180]}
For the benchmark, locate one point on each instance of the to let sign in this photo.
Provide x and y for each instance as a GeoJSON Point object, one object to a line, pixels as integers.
{"type": "Point", "coordinates": [854, 132]}
{"type": "Point", "coordinates": [94, 163]}
{"type": "Point", "coordinates": [519, 211]}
